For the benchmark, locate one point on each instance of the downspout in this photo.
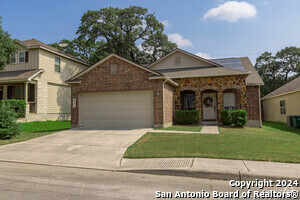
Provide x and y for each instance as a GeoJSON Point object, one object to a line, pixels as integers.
{"type": "Point", "coordinates": [260, 116]}
{"type": "Point", "coordinates": [163, 98]}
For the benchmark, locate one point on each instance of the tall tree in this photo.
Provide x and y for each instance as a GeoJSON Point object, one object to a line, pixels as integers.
{"type": "Point", "coordinates": [269, 70]}
{"type": "Point", "coordinates": [7, 47]}
{"type": "Point", "coordinates": [289, 61]}
{"type": "Point", "coordinates": [121, 29]}
{"type": "Point", "coordinates": [279, 69]}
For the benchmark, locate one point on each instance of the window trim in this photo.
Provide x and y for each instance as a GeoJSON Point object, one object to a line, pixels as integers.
{"type": "Point", "coordinates": [20, 57]}
{"type": "Point", "coordinates": [57, 65]}
{"type": "Point", "coordinates": [113, 68]}
{"type": "Point", "coordinates": [177, 61]}
{"type": "Point", "coordinates": [282, 104]}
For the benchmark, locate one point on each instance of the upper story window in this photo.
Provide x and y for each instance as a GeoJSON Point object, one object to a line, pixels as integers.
{"type": "Point", "coordinates": [14, 59]}
{"type": "Point", "coordinates": [57, 64]}
{"type": "Point", "coordinates": [21, 56]}
{"type": "Point", "coordinates": [113, 68]}
{"type": "Point", "coordinates": [282, 107]}
{"type": "Point", "coordinates": [177, 60]}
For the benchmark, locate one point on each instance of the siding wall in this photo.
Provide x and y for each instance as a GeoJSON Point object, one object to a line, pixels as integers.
{"type": "Point", "coordinates": [271, 107]}
{"type": "Point", "coordinates": [186, 61]}
{"type": "Point", "coordinates": [32, 63]}
{"type": "Point", "coordinates": [58, 99]}
{"type": "Point", "coordinates": [68, 68]}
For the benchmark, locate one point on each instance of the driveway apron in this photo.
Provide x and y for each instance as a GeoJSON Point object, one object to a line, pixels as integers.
{"type": "Point", "coordinates": [102, 149]}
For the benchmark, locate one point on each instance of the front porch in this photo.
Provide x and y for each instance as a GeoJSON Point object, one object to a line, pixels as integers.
{"type": "Point", "coordinates": [210, 95]}
{"type": "Point", "coordinates": [20, 85]}
{"type": "Point", "coordinates": [20, 90]}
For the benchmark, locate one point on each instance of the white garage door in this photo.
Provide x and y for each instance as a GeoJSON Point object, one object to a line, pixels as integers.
{"type": "Point", "coordinates": [116, 110]}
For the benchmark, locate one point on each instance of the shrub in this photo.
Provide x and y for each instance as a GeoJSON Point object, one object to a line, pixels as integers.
{"type": "Point", "coordinates": [226, 117]}
{"type": "Point", "coordinates": [187, 117]}
{"type": "Point", "coordinates": [18, 105]}
{"type": "Point", "coordinates": [8, 124]}
{"type": "Point", "coordinates": [234, 117]}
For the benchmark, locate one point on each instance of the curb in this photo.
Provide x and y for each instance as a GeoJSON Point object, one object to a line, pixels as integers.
{"type": "Point", "coordinates": [206, 174]}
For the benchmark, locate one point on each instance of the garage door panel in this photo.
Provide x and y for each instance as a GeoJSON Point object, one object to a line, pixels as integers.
{"type": "Point", "coordinates": [117, 110]}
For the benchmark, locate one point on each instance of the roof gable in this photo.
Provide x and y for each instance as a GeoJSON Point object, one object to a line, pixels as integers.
{"type": "Point", "coordinates": [106, 59]}
{"type": "Point", "coordinates": [186, 60]}
{"type": "Point", "coordinates": [291, 86]}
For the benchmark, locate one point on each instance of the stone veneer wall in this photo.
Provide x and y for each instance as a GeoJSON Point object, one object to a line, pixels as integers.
{"type": "Point", "coordinates": [218, 84]}
{"type": "Point", "coordinates": [127, 78]}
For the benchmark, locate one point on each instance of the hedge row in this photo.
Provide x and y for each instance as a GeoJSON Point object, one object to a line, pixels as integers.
{"type": "Point", "coordinates": [187, 117]}
{"type": "Point", "coordinates": [17, 105]}
{"type": "Point", "coordinates": [234, 117]}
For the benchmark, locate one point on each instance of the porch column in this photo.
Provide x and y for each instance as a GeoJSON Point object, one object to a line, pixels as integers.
{"type": "Point", "coordinates": [26, 98]}
{"type": "Point", "coordinates": [4, 92]}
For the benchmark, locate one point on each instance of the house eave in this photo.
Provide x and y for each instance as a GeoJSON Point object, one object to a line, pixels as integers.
{"type": "Point", "coordinates": [282, 94]}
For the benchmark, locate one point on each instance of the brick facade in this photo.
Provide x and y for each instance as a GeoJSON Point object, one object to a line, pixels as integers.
{"type": "Point", "coordinates": [253, 109]}
{"type": "Point", "coordinates": [169, 104]}
{"type": "Point", "coordinates": [127, 78]}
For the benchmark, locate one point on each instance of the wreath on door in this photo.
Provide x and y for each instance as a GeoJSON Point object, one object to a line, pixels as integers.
{"type": "Point", "coordinates": [208, 102]}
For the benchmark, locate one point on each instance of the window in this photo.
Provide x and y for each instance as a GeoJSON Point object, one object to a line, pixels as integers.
{"type": "Point", "coordinates": [57, 64]}
{"type": "Point", "coordinates": [188, 100]}
{"type": "Point", "coordinates": [229, 101]}
{"type": "Point", "coordinates": [15, 92]}
{"type": "Point", "coordinates": [177, 61]}
{"type": "Point", "coordinates": [14, 59]}
{"type": "Point", "coordinates": [282, 107]}
{"type": "Point", "coordinates": [113, 68]}
{"type": "Point", "coordinates": [21, 56]}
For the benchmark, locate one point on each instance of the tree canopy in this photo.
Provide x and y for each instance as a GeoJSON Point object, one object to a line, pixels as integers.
{"type": "Point", "coordinates": [132, 33]}
{"type": "Point", "coordinates": [279, 69]}
{"type": "Point", "coordinates": [7, 47]}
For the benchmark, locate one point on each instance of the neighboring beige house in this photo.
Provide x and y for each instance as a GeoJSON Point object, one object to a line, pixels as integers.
{"type": "Point", "coordinates": [37, 73]}
{"type": "Point", "coordinates": [282, 102]}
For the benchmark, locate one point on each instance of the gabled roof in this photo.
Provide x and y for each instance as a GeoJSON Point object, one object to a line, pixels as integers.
{"type": "Point", "coordinates": [19, 76]}
{"type": "Point", "coordinates": [253, 78]}
{"type": "Point", "coordinates": [187, 53]}
{"type": "Point", "coordinates": [33, 43]}
{"type": "Point", "coordinates": [292, 86]}
{"type": "Point", "coordinates": [75, 79]}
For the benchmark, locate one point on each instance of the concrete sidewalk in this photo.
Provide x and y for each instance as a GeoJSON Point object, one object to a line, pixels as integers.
{"type": "Point", "coordinates": [213, 168]}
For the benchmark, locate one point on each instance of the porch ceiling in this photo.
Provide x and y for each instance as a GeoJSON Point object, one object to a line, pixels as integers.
{"type": "Point", "coordinates": [19, 76]}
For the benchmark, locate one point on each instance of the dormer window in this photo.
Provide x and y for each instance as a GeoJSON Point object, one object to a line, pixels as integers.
{"type": "Point", "coordinates": [113, 68]}
{"type": "Point", "coordinates": [177, 61]}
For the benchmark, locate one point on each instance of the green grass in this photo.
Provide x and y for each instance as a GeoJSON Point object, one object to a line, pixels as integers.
{"type": "Point", "coordinates": [273, 142]}
{"type": "Point", "coordinates": [183, 128]}
{"type": "Point", "coordinates": [32, 130]}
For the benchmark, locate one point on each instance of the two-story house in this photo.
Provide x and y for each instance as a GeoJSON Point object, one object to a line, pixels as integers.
{"type": "Point", "coordinates": [37, 74]}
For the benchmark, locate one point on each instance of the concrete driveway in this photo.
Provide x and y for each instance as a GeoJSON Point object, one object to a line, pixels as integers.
{"type": "Point", "coordinates": [75, 147]}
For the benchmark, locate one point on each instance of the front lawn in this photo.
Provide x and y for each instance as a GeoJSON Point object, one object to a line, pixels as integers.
{"type": "Point", "coordinates": [183, 128]}
{"type": "Point", "coordinates": [273, 142]}
{"type": "Point", "coordinates": [32, 130]}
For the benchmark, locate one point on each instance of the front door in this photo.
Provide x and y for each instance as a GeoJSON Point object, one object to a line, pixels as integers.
{"type": "Point", "coordinates": [209, 106]}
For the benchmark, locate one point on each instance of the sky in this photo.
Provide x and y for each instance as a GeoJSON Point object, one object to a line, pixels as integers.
{"type": "Point", "coordinates": [208, 28]}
